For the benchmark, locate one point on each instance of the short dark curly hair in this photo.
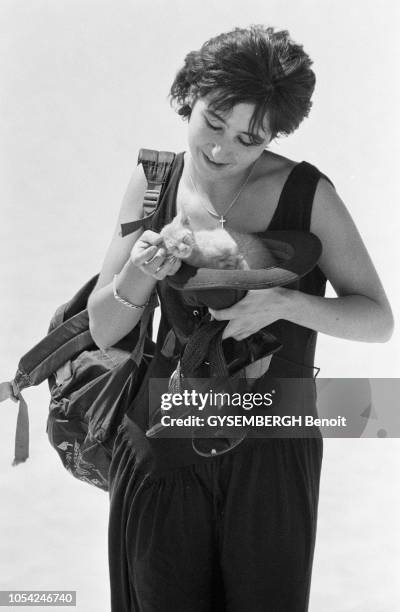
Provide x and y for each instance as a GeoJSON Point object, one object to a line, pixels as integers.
{"type": "Point", "coordinates": [255, 65]}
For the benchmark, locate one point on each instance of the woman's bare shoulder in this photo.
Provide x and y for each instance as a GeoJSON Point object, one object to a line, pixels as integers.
{"type": "Point", "coordinates": [273, 166]}
{"type": "Point", "coordinates": [270, 177]}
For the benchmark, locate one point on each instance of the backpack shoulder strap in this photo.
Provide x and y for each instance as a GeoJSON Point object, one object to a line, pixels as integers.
{"type": "Point", "coordinates": [157, 168]}
{"type": "Point", "coordinates": [69, 332]}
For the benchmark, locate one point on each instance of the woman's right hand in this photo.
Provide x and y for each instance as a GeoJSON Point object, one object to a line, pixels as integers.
{"type": "Point", "coordinates": [150, 255]}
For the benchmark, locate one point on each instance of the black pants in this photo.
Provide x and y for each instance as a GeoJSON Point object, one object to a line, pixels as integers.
{"type": "Point", "coordinates": [233, 533]}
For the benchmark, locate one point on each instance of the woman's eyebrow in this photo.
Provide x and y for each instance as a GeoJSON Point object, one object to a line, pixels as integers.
{"type": "Point", "coordinates": [251, 134]}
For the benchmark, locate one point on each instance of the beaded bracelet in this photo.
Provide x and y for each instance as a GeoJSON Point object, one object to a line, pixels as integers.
{"type": "Point", "coordinates": [122, 300]}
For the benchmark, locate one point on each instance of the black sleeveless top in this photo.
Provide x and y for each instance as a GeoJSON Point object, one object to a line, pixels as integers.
{"type": "Point", "coordinates": [293, 212]}
{"type": "Point", "coordinates": [294, 360]}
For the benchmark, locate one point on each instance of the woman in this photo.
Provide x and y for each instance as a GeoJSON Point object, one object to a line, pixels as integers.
{"type": "Point", "coordinates": [234, 532]}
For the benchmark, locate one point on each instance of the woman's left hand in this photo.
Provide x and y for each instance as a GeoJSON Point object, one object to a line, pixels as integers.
{"type": "Point", "coordinates": [259, 308]}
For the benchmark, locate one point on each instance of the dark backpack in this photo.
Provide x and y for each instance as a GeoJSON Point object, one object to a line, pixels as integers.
{"type": "Point", "coordinates": [90, 389]}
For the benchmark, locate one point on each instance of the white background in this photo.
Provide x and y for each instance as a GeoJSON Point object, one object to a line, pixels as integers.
{"type": "Point", "coordinates": [84, 86]}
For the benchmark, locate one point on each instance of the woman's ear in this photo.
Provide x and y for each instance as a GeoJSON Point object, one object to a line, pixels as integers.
{"type": "Point", "coordinates": [191, 98]}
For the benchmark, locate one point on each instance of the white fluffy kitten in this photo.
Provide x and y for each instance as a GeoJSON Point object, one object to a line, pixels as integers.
{"type": "Point", "coordinates": [217, 248]}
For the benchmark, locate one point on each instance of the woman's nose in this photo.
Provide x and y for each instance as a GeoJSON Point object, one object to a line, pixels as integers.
{"type": "Point", "coordinates": [220, 153]}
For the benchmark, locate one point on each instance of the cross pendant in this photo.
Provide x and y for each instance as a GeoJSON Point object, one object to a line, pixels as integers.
{"type": "Point", "coordinates": [222, 220]}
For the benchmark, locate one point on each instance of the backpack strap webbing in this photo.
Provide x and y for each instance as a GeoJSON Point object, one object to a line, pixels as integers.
{"type": "Point", "coordinates": [157, 167]}
{"type": "Point", "coordinates": [61, 344]}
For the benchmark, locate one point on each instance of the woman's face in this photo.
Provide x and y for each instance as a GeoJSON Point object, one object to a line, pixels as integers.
{"type": "Point", "coordinates": [220, 143]}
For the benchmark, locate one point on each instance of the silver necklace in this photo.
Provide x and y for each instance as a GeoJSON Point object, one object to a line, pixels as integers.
{"type": "Point", "coordinates": [222, 217]}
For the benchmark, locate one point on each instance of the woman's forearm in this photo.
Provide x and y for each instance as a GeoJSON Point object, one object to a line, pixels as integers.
{"type": "Point", "coordinates": [109, 319]}
{"type": "Point", "coordinates": [353, 317]}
